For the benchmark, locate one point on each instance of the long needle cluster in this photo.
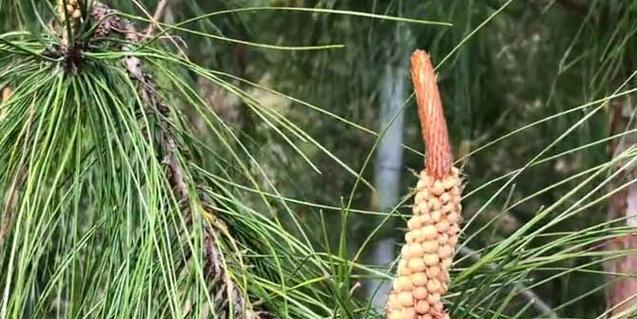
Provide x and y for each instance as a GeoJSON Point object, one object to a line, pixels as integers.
{"type": "Point", "coordinates": [227, 290]}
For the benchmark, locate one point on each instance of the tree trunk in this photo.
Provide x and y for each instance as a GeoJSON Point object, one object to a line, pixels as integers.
{"type": "Point", "coordinates": [388, 168]}
{"type": "Point", "coordinates": [622, 289]}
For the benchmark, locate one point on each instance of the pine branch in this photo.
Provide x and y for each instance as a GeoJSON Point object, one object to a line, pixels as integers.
{"type": "Point", "coordinates": [168, 148]}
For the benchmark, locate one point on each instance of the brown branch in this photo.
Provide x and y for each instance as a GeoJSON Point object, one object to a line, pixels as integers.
{"type": "Point", "coordinates": [432, 118]}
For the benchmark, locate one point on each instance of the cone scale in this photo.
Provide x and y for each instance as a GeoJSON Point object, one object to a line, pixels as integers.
{"type": "Point", "coordinates": [69, 8]}
{"type": "Point", "coordinates": [427, 255]}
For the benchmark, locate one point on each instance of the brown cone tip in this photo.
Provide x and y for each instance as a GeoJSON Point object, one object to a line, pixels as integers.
{"type": "Point", "coordinates": [432, 118]}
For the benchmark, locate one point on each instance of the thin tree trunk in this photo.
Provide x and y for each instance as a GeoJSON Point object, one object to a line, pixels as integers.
{"type": "Point", "coordinates": [389, 163]}
{"type": "Point", "coordinates": [389, 158]}
{"type": "Point", "coordinates": [622, 290]}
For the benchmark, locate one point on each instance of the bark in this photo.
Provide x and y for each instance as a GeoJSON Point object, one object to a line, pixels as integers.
{"type": "Point", "coordinates": [622, 289]}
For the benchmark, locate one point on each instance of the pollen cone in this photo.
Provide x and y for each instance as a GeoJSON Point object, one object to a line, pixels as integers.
{"type": "Point", "coordinates": [426, 256]}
